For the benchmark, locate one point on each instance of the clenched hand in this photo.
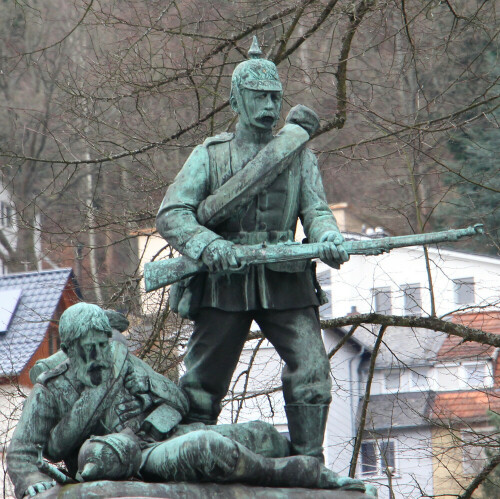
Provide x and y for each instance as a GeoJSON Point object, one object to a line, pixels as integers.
{"type": "Point", "coordinates": [333, 252]}
{"type": "Point", "coordinates": [219, 256]}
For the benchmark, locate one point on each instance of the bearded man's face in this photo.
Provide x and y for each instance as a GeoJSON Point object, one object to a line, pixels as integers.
{"type": "Point", "coordinates": [90, 355]}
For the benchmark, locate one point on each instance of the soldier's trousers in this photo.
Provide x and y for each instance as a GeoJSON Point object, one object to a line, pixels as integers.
{"type": "Point", "coordinates": [216, 345]}
{"type": "Point", "coordinates": [210, 453]}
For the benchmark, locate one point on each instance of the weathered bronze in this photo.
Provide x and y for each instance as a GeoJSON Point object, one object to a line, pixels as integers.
{"type": "Point", "coordinates": [108, 415]}
{"type": "Point", "coordinates": [250, 188]}
{"type": "Point", "coordinates": [161, 273]}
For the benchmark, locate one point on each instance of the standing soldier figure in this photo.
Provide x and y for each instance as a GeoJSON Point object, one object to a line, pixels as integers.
{"type": "Point", "coordinates": [281, 297]}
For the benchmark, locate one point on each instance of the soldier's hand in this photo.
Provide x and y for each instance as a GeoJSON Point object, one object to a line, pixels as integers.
{"type": "Point", "coordinates": [304, 117]}
{"type": "Point", "coordinates": [136, 383]}
{"type": "Point", "coordinates": [333, 252]}
{"type": "Point", "coordinates": [38, 487]}
{"type": "Point", "coordinates": [219, 256]}
{"type": "Point", "coordinates": [128, 409]}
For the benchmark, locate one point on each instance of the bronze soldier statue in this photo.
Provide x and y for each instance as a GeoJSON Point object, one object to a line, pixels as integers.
{"type": "Point", "coordinates": [281, 297]}
{"type": "Point", "coordinates": [108, 415]}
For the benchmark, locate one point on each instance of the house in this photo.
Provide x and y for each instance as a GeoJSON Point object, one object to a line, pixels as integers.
{"type": "Point", "coordinates": [397, 437]}
{"type": "Point", "coordinates": [415, 372]}
{"type": "Point", "coordinates": [427, 419]}
{"type": "Point", "coordinates": [30, 306]}
{"type": "Point", "coordinates": [462, 428]}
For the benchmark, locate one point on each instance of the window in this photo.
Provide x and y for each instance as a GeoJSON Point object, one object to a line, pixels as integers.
{"type": "Point", "coordinates": [406, 380]}
{"type": "Point", "coordinates": [6, 215]}
{"type": "Point", "coordinates": [418, 379]}
{"type": "Point", "coordinates": [393, 380]}
{"type": "Point", "coordinates": [412, 300]}
{"type": "Point", "coordinates": [382, 298]}
{"type": "Point", "coordinates": [476, 374]}
{"type": "Point", "coordinates": [464, 290]}
{"type": "Point", "coordinates": [377, 456]}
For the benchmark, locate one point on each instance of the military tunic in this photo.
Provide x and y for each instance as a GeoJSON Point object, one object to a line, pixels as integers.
{"type": "Point", "coordinates": [271, 217]}
{"type": "Point", "coordinates": [51, 402]}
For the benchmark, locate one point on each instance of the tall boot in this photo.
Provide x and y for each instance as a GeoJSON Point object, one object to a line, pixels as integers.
{"type": "Point", "coordinates": [295, 471]}
{"type": "Point", "coordinates": [307, 424]}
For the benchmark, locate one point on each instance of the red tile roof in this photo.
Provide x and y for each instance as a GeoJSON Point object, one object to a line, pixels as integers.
{"type": "Point", "coordinates": [487, 321]}
{"type": "Point", "coordinates": [469, 405]}
{"type": "Point", "coordinates": [455, 348]}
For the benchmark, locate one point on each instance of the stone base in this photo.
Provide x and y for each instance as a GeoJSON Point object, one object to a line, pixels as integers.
{"type": "Point", "coordinates": [136, 490]}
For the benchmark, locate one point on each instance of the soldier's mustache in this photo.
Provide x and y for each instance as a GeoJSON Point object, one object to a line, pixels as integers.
{"type": "Point", "coordinates": [95, 366]}
{"type": "Point", "coordinates": [266, 114]}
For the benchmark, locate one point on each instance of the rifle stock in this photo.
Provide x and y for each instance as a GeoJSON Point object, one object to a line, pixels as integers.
{"type": "Point", "coordinates": [164, 272]}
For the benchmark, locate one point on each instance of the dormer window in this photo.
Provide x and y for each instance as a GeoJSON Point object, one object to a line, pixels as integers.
{"type": "Point", "coordinates": [476, 374]}
{"type": "Point", "coordinates": [412, 300]}
{"type": "Point", "coordinates": [407, 380]}
{"type": "Point", "coordinates": [464, 291]}
{"type": "Point", "coordinates": [382, 299]}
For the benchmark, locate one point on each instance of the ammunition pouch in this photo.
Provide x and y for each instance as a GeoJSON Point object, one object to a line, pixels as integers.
{"type": "Point", "coordinates": [185, 296]}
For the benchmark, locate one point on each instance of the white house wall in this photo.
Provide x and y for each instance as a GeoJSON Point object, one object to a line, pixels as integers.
{"type": "Point", "coordinates": [352, 285]}
{"type": "Point", "coordinates": [263, 375]}
{"type": "Point", "coordinates": [151, 246]}
{"type": "Point", "coordinates": [413, 477]}
{"type": "Point", "coordinates": [11, 401]}
{"type": "Point", "coordinates": [346, 392]}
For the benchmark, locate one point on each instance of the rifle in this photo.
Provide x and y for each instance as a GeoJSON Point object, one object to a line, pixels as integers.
{"type": "Point", "coordinates": [164, 272]}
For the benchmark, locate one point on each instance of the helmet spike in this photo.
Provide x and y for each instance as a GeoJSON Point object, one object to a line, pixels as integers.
{"type": "Point", "coordinates": [255, 52]}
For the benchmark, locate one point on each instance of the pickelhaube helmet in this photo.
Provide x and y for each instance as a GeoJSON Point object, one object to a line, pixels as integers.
{"type": "Point", "coordinates": [256, 73]}
{"type": "Point", "coordinates": [115, 456]}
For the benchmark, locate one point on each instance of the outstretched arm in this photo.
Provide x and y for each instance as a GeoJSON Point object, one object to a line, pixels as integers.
{"type": "Point", "coordinates": [317, 218]}
{"type": "Point", "coordinates": [39, 416]}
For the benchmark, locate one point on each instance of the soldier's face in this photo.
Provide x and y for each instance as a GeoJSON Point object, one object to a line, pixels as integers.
{"type": "Point", "coordinates": [91, 355]}
{"type": "Point", "coordinates": [261, 108]}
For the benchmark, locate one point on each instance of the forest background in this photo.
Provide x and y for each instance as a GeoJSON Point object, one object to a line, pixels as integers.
{"type": "Point", "coordinates": [101, 102]}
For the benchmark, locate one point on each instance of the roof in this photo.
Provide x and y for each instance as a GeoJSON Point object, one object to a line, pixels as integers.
{"type": "Point", "coordinates": [488, 321]}
{"type": "Point", "coordinates": [40, 296]}
{"type": "Point", "coordinates": [398, 410]}
{"type": "Point", "coordinates": [466, 405]}
{"type": "Point", "coordinates": [454, 348]}
{"type": "Point", "coordinates": [403, 346]}
{"type": "Point", "coordinates": [341, 332]}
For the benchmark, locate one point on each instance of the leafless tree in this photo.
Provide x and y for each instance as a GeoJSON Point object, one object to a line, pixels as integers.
{"type": "Point", "coordinates": [102, 101]}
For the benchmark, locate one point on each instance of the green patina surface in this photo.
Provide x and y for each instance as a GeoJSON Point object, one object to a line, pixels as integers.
{"type": "Point", "coordinates": [99, 490]}
{"type": "Point", "coordinates": [162, 273]}
{"type": "Point", "coordinates": [106, 414]}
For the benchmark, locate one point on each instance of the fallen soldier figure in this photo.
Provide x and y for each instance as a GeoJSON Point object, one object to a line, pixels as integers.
{"type": "Point", "coordinates": [108, 415]}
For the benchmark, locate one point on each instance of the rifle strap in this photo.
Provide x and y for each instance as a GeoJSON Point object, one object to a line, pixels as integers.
{"type": "Point", "coordinates": [256, 176]}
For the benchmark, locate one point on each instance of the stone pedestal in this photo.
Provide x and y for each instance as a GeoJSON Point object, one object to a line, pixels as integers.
{"type": "Point", "coordinates": [135, 490]}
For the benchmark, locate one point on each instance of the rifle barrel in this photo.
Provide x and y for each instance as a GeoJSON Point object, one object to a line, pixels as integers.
{"type": "Point", "coordinates": [164, 272]}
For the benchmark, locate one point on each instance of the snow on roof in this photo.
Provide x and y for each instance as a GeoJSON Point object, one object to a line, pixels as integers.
{"type": "Point", "coordinates": [40, 293]}
{"type": "Point", "coordinates": [404, 346]}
